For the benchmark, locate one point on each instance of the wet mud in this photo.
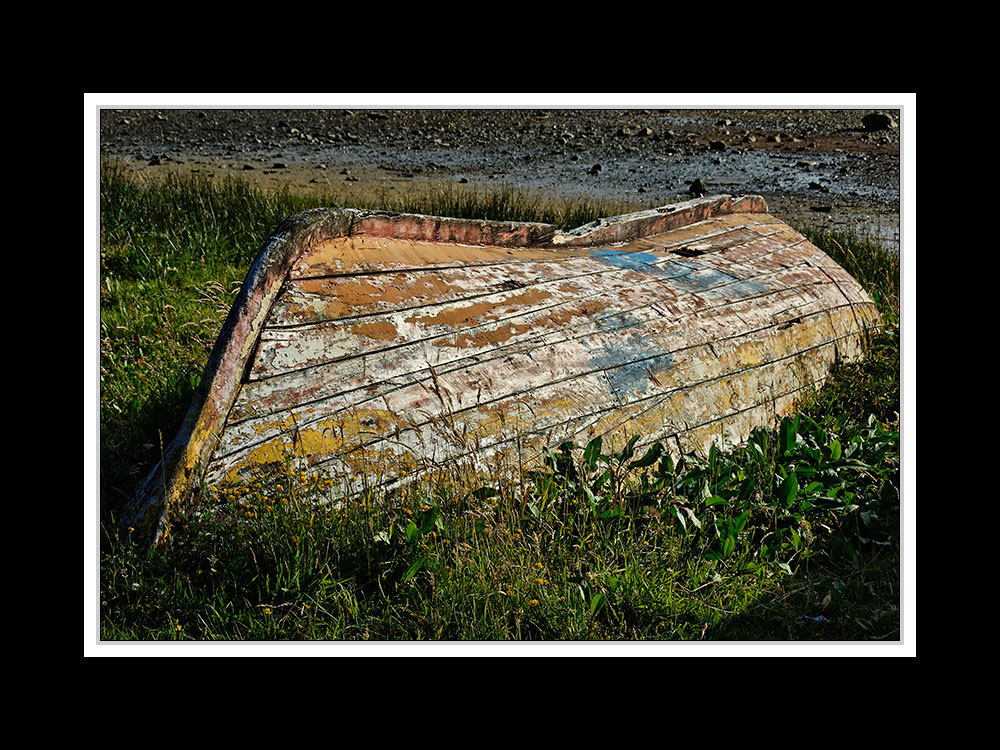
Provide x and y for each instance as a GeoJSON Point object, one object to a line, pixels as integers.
{"type": "Point", "coordinates": [826, 168]}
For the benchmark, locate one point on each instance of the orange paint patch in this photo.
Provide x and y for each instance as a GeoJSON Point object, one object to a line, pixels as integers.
{"type": "Point", "coordinates": [382, 331]}
{"type": "Point", "coordinates": [348, 296]}
{"type": "Point", "coordinates": [485, 338]}
{"type": "Point", "coordinates": [477, 313]}
{"type": "Point", "coordinates": [365, 253]}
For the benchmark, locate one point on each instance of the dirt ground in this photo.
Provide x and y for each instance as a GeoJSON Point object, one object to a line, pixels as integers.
{"type": "Point", "coordinates": [834, 168]}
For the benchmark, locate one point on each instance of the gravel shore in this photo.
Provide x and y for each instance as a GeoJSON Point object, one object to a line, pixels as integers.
{"type": "Point", "coordinates": [835, 168]}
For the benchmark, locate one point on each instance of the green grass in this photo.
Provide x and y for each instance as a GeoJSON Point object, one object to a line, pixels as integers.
{"type": "Point", "coordinates": [793, 536]}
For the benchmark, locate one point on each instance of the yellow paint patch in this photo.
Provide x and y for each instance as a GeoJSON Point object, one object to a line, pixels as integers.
{"type": "Point", "coordinates": [265, 454]}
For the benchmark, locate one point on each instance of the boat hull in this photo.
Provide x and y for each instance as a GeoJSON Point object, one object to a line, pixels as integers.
{"type": "Point", "coordinates": [376, 347]}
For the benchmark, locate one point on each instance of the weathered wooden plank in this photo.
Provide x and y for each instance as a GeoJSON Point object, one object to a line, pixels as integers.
{"type": "Point", "coordinates": [357, 254]}
{"type": "Point", "coordinates": [318, 298]}
{"type": "Point", "coordinates": [432, 421]}
{"type": "Point", "coordinates": [377, 346]}
{"type": "Point", "coordinates": [786, 304]}
{"type": "Point", "coordinates": [785, 296]}
{"type": "Point", "coordinates": [718, 231]}
{"type": "Point", "coordinates": [607, 279]}
{"type": "Point", "coordinates": [622, 368]}
{"type": "Point", "coordinates": [657, 220]}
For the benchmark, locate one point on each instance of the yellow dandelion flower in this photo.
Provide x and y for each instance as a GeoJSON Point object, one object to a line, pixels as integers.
{"type": "Point", "coordinates": [538, 566]}
{"type": "Point", "coordinates": [533, 602]}
{"type": "Point", "coordinates": [267, 610]}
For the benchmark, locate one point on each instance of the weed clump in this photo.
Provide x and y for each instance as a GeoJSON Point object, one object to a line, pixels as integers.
{"type": "Point", "coordinates": [593, 545]}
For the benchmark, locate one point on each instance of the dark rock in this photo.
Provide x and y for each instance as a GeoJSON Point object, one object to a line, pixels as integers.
{"type": "Point", "coordinates": [879, 121]}
{"type": "Point", "coordinates": [596, 169]}
{"type": "Point", "coordinates": [698, 188]}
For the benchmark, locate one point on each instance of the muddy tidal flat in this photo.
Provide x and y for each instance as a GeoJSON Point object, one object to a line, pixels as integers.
{"type": "Point", "coordinates": [828, 168]}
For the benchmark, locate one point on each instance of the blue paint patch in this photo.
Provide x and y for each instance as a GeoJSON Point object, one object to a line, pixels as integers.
{"type": "Point", "coordinates": [703, 279]}
{"type": "Point", "coordinates": [613, 321]}
{"type": "Point", "coordinates": [711, 282]}
{"type": "Point", "coordinates": [635, 377]}
{"type": "Point", "coordinates": [671, 269]}
{"type": "Point", "coordinates": [686, 276]}
{"type": "Point", "coordinates": [644, 262]}
{"type": "Point", "coordinates": [639, 356]}
{"type": "Point", "coordinates": [631, 357]}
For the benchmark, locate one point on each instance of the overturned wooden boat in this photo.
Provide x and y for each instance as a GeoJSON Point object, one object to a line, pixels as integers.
{"type": "Point", "coordinates": [372, 344]}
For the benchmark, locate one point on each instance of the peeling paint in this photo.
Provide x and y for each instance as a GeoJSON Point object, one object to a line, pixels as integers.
{"type": "Point", "coordinates": [635, 261]}
{"type": "Point", "coordinates": [379, 356]}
